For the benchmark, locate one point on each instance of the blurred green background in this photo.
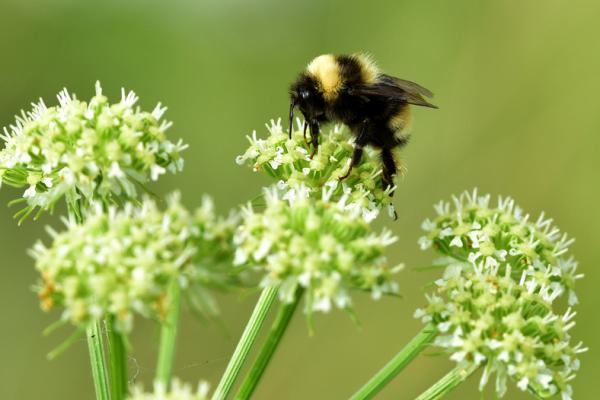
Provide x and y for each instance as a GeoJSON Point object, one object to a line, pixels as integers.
{"type": "Point", "coordinates": [517, 85]}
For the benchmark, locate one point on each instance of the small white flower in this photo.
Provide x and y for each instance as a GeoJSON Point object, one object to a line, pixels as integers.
{"type": "Point", "coordinates": [115, 171]}
{"type": "Point", "coordinates": [156, 171]}
{"type": "Point", "coordinates": [178, 391]}
{"type": "Point", "coordinates": [523, 382]}
{"type": "Point", "coordinates": [323, 304]}
{"type": "Point", "coordinates": [456, 242]}
{"type": "Point", "coordinates": [424, 243]}
{"type": "Point", "coordinates": [30, 192]}
{"type": "Point", "coordinates": [263, 249]}
{"type": "Point", "coordinates": [428, 225]}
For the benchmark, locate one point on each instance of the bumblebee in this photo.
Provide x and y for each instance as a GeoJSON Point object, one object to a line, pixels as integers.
{"type": "Point", "coordinates": [350, 89]}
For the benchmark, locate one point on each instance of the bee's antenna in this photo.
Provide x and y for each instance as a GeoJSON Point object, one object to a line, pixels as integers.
{"type": "Point", "coordinates": [292, 105]}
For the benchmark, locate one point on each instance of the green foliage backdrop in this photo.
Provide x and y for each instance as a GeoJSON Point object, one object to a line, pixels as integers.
{"type": "Point", "coordinates": [517, 85]}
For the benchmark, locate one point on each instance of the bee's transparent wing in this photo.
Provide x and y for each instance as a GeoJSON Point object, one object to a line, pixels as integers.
{"type": "Point", "coordinates": [392, 88]}
{"type": "Point", "coordinates": [410, 87]}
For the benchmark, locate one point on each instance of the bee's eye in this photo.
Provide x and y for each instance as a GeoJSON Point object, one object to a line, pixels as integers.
{"type": "Point", "coordinates": [304, 94]}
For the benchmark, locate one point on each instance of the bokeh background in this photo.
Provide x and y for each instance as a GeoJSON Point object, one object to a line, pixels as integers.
{"type": "Point", "coordinates": [517, 83]}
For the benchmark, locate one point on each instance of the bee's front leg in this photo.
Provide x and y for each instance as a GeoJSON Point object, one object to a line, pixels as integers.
{"type": "Point", "coordinates": [314, 136]}
{"type": "Point", "coordinates": [304, 133]}
{"type": "Point", "coordinates": [290, 126]}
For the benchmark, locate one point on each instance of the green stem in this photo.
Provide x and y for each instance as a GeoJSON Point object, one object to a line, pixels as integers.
{"type": "Point", "coordinates": [168, 336]}
{"type": "Point", "coordinates": [256, 321]}
{"type": "Point", "coordinates": [117, 351]}
{"type": "Point", "coordinates": [286, 311]}
{"type": "Point", "coordinates": [94, 334]}
{"type": "Point", "coordinates": [95, 346]}
{"type": "Point", "coordinates": [396, 364]}
{"type": "Point", "coordinates": [449, 382]}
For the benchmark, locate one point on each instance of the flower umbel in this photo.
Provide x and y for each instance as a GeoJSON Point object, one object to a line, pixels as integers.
{"type": "Point", "coordinates": [178, 391]}
{"type": "Point", "coordinates": [470, 228]}
{"type": "Point", "coordinates": [122, 262]}
{"type": "Point", "coordinates": [487, 318]}
{"type": "Point", "coordinates": [289, 161]}
{"type": "Point", "coordinates": [86, 151]}
{"type": "Point", "coordinates": [494, 305]}
{"type": "Point", "coordinates": [323, 246]}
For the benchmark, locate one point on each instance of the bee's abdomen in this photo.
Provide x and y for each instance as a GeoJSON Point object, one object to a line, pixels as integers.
{"type": "Point", "coordinates": [400, 122]}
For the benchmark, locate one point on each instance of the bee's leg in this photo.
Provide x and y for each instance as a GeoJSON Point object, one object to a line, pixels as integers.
{"type": "Point", "coordinates": [356, 156]}
{"type": "Point", "coordinates": [290, 126]}
{"type": "Point", "coordinates": [389, 172]}
{"type": "Point", "coordinates": [304, 133]}
{"type": "Point", "coordinates": [361, 141]}
{"type": "Point", "coordinates": [389, 168]}
{"type": "Point", "coordinates": [314, 136]}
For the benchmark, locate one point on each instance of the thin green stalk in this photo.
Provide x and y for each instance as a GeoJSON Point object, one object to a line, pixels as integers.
{"type": "Point", "coordinates": [256, 321]}
{"type": "Point", "coordinates": [168, 336]}
{"type": "Point", "coordinates": [94, 335]}
{"type": "Point", "coordinates": [95, 346]}
{"type": "Point", "coordinates": [117, 350]}
{"type": "Point", "coordinates": [396, 364]}
{"type": "Point", "coordinates": [449, 382]}
{"type": "Point", "coordinates": [286, 311]}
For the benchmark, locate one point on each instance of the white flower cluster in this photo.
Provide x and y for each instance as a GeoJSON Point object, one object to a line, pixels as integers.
{"type": "Point", "coordinates": [179, 391]}
{"type": "Point", "coordinates": [121, 262]}
{"type": "Point", "coordinates": [86, 151]}
{"type": "Point", "coordinates": [322, 246]}
{"type": "Point", "coordinates": [289, 161]}
{"type": "Point", "coordinates": [470, 229]}
{"type": "Point", "coordinates": [495, 305]}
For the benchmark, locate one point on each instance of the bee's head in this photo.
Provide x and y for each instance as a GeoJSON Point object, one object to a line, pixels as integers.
{"type": "Point", "coordinates": [305, 94]}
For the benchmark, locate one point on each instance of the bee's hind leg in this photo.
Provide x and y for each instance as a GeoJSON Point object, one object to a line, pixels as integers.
{"type": "Point", "coordinates": [356, 156]}
{"type": "Point", "coordinates": [390, 168]}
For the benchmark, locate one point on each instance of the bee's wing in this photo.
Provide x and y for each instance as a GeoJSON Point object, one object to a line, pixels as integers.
{"type": "Point", "coordinates": [393, 88]}
{"type": "Point", "coordinates": [409, 86]}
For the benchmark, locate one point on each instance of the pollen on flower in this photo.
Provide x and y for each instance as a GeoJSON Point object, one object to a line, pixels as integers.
{"type": "Point", "coordinates": [323, 247]}
{"type": "Point", "coordinates": [289, 162]}
{"type": "Point", "coordinates": [121, 262]}
{"type": "Point", "coordinates": [86, 151]}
